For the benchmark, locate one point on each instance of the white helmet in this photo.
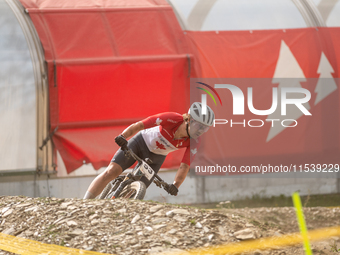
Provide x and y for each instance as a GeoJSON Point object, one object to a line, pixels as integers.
{"type": "Point", "coordinates": [195, 112]}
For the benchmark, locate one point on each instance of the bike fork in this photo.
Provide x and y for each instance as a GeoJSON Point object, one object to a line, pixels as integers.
{"type": "Point", "coordinates": [121, 186]}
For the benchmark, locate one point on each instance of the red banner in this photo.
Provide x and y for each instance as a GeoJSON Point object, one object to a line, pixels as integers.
{"type": "Point", "coordinates": [116, 62]}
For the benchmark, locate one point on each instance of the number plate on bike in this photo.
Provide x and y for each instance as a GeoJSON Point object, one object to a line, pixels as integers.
{"type": "Point", "coordinates": [147, 171]}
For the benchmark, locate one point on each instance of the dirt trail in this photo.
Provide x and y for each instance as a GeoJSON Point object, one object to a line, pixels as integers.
{"type": "Point", "coordinates": [141, 227]}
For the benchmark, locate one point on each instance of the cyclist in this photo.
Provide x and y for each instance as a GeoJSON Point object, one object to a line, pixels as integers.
{"type": "Point", "coordinates": [156, 136]}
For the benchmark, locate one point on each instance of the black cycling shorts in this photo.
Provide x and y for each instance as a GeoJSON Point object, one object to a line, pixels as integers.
{"type": "Point", "coordinates": [138, 146]}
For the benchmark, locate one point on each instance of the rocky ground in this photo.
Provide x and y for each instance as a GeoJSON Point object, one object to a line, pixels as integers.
{"type": "Point", "coordinates": [140, 227]}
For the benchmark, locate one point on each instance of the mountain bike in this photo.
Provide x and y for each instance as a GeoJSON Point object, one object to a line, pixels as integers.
{"type": "Point", "coordinates": [130, 185]}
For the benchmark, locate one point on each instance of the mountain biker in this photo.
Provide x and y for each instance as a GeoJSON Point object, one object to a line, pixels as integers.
{"type": "Point", "coordinates": [156, 136]}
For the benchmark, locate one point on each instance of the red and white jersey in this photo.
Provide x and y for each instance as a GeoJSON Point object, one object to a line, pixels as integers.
{"type": "Point", "coordinates": [159, 135]}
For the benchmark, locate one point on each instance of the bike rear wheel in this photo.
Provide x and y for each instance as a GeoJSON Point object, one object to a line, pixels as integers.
{"type": "Point", "coordinates": [135, 190]}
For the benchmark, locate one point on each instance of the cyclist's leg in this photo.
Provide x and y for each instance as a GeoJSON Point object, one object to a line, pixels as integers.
{"type": "Point", "coordinates": [117, 165]}
{"type": "Point", "coordinates": [99, 183]}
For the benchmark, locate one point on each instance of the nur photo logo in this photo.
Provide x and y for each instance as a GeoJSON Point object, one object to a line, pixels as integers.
{"type": "Point", "coordinates": [294, 98]}
{"type": "Point", "coordinates": [204, 96]}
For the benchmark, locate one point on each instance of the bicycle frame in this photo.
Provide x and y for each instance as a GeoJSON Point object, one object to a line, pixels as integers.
{"type": "Point", "coordinates": [141, 169]}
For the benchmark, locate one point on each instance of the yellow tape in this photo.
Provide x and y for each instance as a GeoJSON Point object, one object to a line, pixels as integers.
{"type": "Point", "coordinates": [302, 222]}
{"type": "Point", "coordinates": [24, 246]}
{"type": "Point", "coordinates": [264, 243]}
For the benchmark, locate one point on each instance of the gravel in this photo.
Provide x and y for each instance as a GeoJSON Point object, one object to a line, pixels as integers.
{"type": "Point", "coordinates": [122, 226]}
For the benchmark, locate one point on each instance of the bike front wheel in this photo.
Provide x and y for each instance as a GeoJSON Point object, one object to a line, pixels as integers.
{"type": "Point", "coordinates": [135, 190]}
{"type": "Point", "coordinates": [110, 187]}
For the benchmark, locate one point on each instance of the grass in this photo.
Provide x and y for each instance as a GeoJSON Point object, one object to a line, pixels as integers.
{"type": "Point", "coordinates": [329, 200]}
{"type": "Point", "coordinates": [193, 221]}
{"type": "Point", "coordinates": [255, 223]}
{"type": "Point", "coordinates": [334, 247]}
{"type": "Point", "coordinates": [62, 242]}
{"type": "Point", "coordinates": [185, 206]}
{"type": "Point", "coordinates": [49, 229]}
{"type": "Point", "coordinates": [163, 203]}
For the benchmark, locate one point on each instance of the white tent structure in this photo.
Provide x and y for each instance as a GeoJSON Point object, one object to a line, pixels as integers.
{"type": "Point", "coordinates": [23, 105]}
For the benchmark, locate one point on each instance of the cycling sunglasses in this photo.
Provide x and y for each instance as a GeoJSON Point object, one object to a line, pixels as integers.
{"type": "Point", "coordinates": [197, 129]}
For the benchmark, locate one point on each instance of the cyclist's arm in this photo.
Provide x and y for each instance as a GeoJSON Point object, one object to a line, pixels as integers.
{"type": "Point", "coordinates": [181, 174]}
{"type": "Point", "coordinates": [133, 129]}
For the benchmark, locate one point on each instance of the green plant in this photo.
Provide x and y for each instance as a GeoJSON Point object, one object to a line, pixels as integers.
{"type": "Point", "coordinates": [255, 223]}
{"type": "Point", "coordinates": [51, 226]}
{"type": "Point", "coordinates": [192, 221]}
{"type": "Point", "coordinates": [334, 247]}
{"type": "Point", "coordinates": [50, 230]}
{"type": "Point", "coordinates": [62, 243]}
